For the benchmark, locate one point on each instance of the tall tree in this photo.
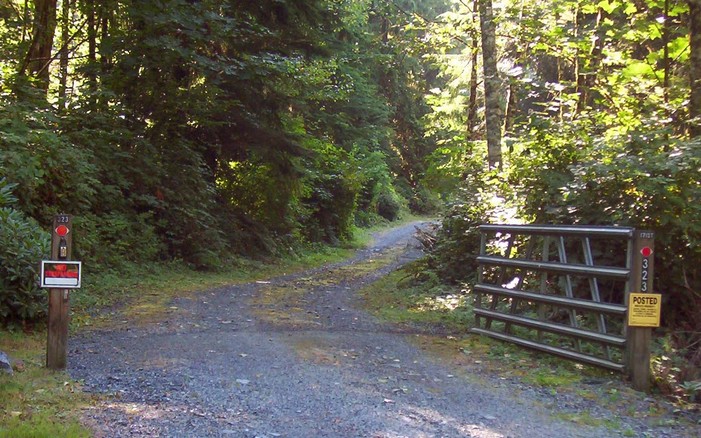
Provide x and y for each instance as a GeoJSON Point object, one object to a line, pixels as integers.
{"type": "Point", "coordinates": [38, 58]}
{"type": "Point", "coordinates": [474, 54]}
{"type": "Point", "coordinates": [63, 52]}
{"type": "Point", "coordinates": [695, 67]}
{"type": "Point", "coordinates": [492, 84]}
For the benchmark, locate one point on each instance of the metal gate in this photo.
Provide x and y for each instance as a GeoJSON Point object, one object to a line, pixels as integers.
{"type": "Point", "coordinates": [559, 289]}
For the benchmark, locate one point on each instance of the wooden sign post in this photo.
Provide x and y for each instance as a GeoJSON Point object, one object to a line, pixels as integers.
{"type": "Point", "coordinates": [640, 301]}
{"type": "Point", "coordinates": [57, 341]}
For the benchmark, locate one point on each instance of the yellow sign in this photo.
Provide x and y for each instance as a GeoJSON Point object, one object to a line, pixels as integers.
{"type": "Point", "coordinates": [644, 310]}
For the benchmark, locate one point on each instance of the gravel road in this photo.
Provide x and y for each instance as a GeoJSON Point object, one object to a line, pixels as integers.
{"type": "Point", "coordinates": [296, 356]}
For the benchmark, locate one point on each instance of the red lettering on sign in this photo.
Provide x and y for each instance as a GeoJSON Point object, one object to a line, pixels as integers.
{"type": "Point", "coordinates": [61, 274]}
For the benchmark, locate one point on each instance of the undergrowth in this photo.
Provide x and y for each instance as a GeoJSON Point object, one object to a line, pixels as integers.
{"type": "Point", "coordinates": [396, 298]}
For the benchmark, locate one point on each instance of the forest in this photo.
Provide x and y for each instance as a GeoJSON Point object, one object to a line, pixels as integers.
{"type": "Point", "coordinates": [198, 131]}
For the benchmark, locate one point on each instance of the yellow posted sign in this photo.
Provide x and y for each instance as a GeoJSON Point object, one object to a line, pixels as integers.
{"type": "Point", "coordinates": [644, 310]}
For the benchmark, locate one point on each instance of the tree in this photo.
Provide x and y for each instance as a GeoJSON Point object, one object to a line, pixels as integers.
{"type": "Point", "coordinates": [695, 67]}
{"type": "Point", "coordinates": [492, 84]}
{"type": "Point", "coordinates": [38, 58]}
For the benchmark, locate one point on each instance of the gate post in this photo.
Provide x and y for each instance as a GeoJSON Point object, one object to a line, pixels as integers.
{"type": "Point", "coordinates": [638, 339]}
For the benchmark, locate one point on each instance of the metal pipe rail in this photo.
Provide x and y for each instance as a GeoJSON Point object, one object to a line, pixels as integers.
{"type": "Point", "coordinates": [558, 268]}
{"type": "Point", "coordinates": [568, 354]}
{"type": "Point", "coordinates": [588, 335]}
{"type": "Point", "coordinates": [572, 303]}
{"type": "Point", "coordinates": [561, 230]}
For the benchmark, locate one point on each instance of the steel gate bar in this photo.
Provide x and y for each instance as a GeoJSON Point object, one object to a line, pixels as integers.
{"type": "Point", "coordinates": [594, 289]}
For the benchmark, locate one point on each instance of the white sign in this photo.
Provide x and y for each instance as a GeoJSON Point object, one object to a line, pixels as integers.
{"type": "Point", "coordinates": [56, 274]}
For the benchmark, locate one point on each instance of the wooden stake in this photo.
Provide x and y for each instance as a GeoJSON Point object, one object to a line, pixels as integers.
{"type": "Point", "coordinates": [57, 339]}
{"type": "Point", "coordinates": [638, 338]}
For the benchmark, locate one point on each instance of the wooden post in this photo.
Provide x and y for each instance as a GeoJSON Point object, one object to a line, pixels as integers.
{"type": "Point", "coordinates": [57, 339]}
{"type": "Point", "coordinates": [638, 338]}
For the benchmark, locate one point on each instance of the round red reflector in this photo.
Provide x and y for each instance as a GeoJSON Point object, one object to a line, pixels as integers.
{"type": "Point", "coordinates": [646, 252]}
{"type": "Point", "coordinates": [62, 230]}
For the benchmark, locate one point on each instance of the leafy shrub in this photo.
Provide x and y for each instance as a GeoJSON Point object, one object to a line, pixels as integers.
{"type": "Point", "coordinates": [330, 188]}
{"type": "Point", "coordinates": [423, 201]}
{"type": "Point", "coordinates": [114, 239]}
{"type": "Point", "coordinates": [378, 195]}
{"type": "Point", "coordinates": [23, 244]}
{"type": "Point", "coordinates": [389, 204]}
{"type": "Point", "coordinates": [53, 175]}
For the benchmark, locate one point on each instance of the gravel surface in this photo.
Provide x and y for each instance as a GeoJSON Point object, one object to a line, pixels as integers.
{"type": "Point", "coordinates": [296, 356]}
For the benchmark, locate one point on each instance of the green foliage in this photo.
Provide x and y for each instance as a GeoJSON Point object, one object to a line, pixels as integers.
{"type": "Point", "coordinates": [645, 179]}
{"type": "Point", "coordinates": [454, 256]}
{"type": "Point", "coordinates": [112, 240]}
{"type": "Point", "coordinates": [196, 131]}
{"type": "Point", "coordinates": [38, 402]}
{"type": "Point", "coordinates": [52, 174]}
{"type": "Point", "coordinates": [332, 188]}
{"type": "Point", "coordinates": [378, 197]}
{"type": "Point", "coordinates": [389, 204]}
{"type": "Point", "coordinates": [23, 244]}
{"type": "Point", "coordinates": [597, 105]}
{"type": "Point", "coordinates": [423, 201]}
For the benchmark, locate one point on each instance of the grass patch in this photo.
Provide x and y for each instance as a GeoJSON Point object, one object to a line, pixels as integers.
{"type": "Point", "coordinates": [586, 419]}
{"type": "Point", "coordinates": [394, 299]}
{"type": "Point", "coordinates": [285, 303]}
{"type": "Point", "coordinates": [552, 378]}
{"type": "Point", "coordinates": [35, 401]}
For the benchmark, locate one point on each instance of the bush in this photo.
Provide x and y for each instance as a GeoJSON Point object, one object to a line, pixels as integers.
{"type": "Point", "coordinates": [423, 201]}
{"type": "Point", "coordinates": [23, 244]}
{"type": "Point", "coordinates": [115, 239]}
{"type": "Point", "coordinates": [389, 204]}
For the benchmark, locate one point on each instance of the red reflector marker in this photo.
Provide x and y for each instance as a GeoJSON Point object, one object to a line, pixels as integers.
{"type": "Point", "coordinates": [646, 252]}
{"type": "Point", "coordinates": [62, 230]}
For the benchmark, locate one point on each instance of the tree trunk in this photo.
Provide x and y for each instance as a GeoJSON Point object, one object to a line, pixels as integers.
{"type": "Point", "coordinates": [587, 69]}
{"type": "Point", "coordinates": [695, 68]}
{"type": "Point", "coordinates": [63, 58]}
{"type": "Point", "coordinates": [91, 73]}
{"type": "Point", "coordinates": [666, 60]}
{"type": "Point", "coordinates": [578, 62]}
{"type": "Point", "coordinates": [492, 84]}
{"type": "Point", "coordinates": [39, 54]}
{"type": "Point", "coordinates": [595, 58]}
{"type": "Point", "coordinates": [510, 112]}
{"type": "Point", "coordinates": [472, 105]}
{"type": "Point", "coordinates": [106, 17]}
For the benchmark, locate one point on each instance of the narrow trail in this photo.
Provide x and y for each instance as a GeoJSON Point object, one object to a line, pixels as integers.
{"type": "Point", "coordinates": [296, 356]}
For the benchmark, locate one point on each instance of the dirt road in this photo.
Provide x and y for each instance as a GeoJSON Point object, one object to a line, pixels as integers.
{"type": "Point", "coordinates": [297, 357]}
